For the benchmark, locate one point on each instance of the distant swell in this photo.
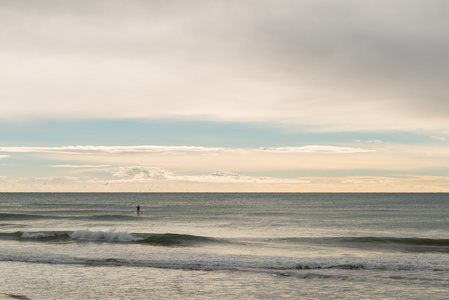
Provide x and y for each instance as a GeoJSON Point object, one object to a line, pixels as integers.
{"type": "Point", "coordinates": [393, 240]}
{"type": "Point", "coordinates": [102, 217]}
{"type": "Point", "coordinates": [110, 217]}
{"type": "Point", "coordinates": [19, 217]}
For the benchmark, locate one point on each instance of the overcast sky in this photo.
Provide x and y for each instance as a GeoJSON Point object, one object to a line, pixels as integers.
{"type": "Point", "coordinates": [224, 95]}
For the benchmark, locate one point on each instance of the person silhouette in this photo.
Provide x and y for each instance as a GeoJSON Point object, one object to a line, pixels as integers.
{"type": "Point", "coordinates": [138, 209]}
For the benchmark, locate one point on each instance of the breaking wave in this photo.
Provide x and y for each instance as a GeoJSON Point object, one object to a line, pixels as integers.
{"type": "Point", "coordinates": [112, 236]}
{"type": "Point", "coordinates": [389, 244]}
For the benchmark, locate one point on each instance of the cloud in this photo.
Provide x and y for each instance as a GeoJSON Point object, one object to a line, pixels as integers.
{"type": "Point", "coordinates": [140, 173]}
{"type": "Point", "coordinates": [317, 65]}
{"type": "Point", "coordinates": [4, 156]}
{"type": "Point", "coordinates": [438, 138]}
{"type": "Point", "coordinates": [315, 149]}
{"type": "Point", "coordinates": [171, 149]}
{"type": "Point", "coordinates": [233, 182]}
{"type": "Point", "coordinates": [290, 160]}
{"type": "Point", "coordinates": [78, 166]}
{"type": "Point", "coordinates": [229, 177]}
{"type": "Point", "coordinates": [49, 180]}
{"type": "Point", "coordinates": [110, 149]}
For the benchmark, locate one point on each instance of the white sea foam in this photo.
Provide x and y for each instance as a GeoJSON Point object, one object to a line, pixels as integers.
{"type": "Point", "coordinates": [108, 236]}
{"type": "Point", "coordinates": [35, 235]}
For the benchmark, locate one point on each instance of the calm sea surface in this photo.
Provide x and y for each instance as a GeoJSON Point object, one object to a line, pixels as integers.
{"type": "Point", "coordinates": [224, 246]}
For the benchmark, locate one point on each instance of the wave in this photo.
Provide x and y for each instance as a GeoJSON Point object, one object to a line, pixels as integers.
{"type": "Point", "coordinates": [112, 236]}
{"type": "Point", "coordinates": [394, 240]}
{"type": "Point", "coordinates": [60, 215]}
{"type": "Point", "coordinates": [104, 236]}
{"type": "Point", "coordinates": [379, 243]}
{"type": "Point", "coordinates": [308, 268]}
{"type": "Point", "coordinates": [173, 239]}
{"type": "Point", "coordinates": [357, 266]}
{"type": "Point", "coordinates": [108, 217]}
{"type": "Point", "coordinates": [20, 217]}
{"type": "Point", "coordinates": [389, 244]}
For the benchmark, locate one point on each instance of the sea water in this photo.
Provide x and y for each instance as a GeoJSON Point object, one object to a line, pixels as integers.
{"type": "Point", "coordinates": [224, 246]}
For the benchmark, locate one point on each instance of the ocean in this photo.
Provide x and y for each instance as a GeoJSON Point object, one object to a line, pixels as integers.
{"type": "Point", "coordinates": [224, 245]}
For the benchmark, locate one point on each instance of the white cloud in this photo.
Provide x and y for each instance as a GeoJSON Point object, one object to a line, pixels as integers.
{"type": "Point", "coordinates": [229, 177]}
{"type": "Point", "coordinates": [438, 138]}
{"type": "Point", "coordinates": [4, 156]}
{"type": "Point", "coordinates": [78, 166]}
{"type": "Point", "coordinates": [139, 173]}
{"type": "Point", "coordinates": [110, 149]}
{"type": "Point", "coordinates": [171, 149]}
{"type": "Point", "coordinates": [203, 160]}
{"type": "Point", "coordinates": [316, 149]}
{"type": "Point", "coordinates": [49, 180]}
{"type": "Point", "coordinates": [233, 183]}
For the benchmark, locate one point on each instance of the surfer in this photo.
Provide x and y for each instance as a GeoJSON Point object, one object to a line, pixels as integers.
{"type": "Point", "coordinates": [138, 209]}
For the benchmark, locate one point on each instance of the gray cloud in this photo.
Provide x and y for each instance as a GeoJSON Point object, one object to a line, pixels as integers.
{"type": "Point", "coordinates": [335, 65]}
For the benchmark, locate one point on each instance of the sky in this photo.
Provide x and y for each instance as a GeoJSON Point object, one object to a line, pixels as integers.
{"type": "Point", "coordinates": [224, 96]}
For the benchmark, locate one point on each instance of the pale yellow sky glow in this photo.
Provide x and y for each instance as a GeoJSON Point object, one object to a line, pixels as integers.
{"type": "Point", "coordinates": [151, 168]}
{"type": "Point", "coordinates": [224, 96]}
